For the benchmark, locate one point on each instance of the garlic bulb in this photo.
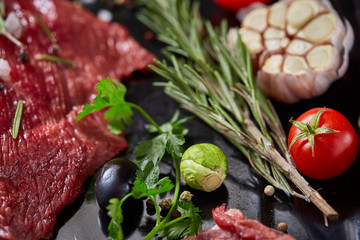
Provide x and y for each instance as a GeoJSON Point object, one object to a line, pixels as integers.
{"type": "Point", "coordinates": [299, 47]}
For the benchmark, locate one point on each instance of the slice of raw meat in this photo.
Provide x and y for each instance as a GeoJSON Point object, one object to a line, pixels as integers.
{"type": "Point", "coordinates": [232, 224]}
{"type": "Point", "coordinates": [44, 168]}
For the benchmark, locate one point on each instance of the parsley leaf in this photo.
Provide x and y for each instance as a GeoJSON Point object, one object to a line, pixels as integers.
{"type": "Point", "coordinates": [115, 212]}
{"type": "Point", "coordinates": [188, 208]}
{"type": "Point", "coordinates": [149, 153]}
{"type": "Point", "coordinates": [150, 174]}
{"type": "Point", "coordinates": [173, 126]}
{"type": "Point", "coordinates": [189, 225]}
{"type": "Point", "coordinates": [151, 150]}
{"type": "Point", "coordinates": [174, 145]}
{"type": "Point", "coordinates": [167, 139]}
{"type": "Point", "coordinates": [111, 94]}
{"type": "Point", "coordinates": [140, 189]}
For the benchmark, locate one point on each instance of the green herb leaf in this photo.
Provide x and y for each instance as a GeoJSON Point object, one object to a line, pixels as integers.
{"type": "Point", "coordinates": [115, 212]}
{"type": "Point", "coordinates": [2, 9]}
{"type": "Point", "coordinates": [54, 59]}
{"type": "Point", "coordinates": [45, 29]}
{"type": "Point", "coordinates": [186, 208]}
{"type": "Point", "coordinates": [140, 189]}
{"type": "Point", "coordinates": [112, 207]}
{"type": "Point", "coordinates": [174, 145]}
{"type": "Point", "coordinates": [149, 174]}
{"type": "Point", "coordinates": [149, 153]}
{"type": "Point", "coordinates": [190, 225]}
{"type": "Point", "coordinates": [17, 119]}
{"type": "Point", "coordinates": [111, 94]}
{"type": "Point", "coordinates": [150, 150]}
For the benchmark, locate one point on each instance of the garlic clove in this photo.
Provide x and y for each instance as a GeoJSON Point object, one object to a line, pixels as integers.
{"type": "Point", "coordinates": [319, 29]}
{"type": "Point", "coordinates": [252, 40]}
{"type": "Point", "coordinates": [273, 33]}
{"type": "Point", "coordinates": [277, 15]}
{"type": "Point", "coordinates": [284, 42]}
{"type": "Point", "coordinates": [273, 64]}
{"type": "Point", "coordinates": [295, 65]}
{"type": "Point", "coordinates": [273, 44]}
{"type": "Point", "coordinates": [298, 47]}
{"type": "Point", "coordinates": [300, 12]}
{"type": "Point", "coordinates": [256, 20]}
{"type": "Point", "coordinates": [320, 57]}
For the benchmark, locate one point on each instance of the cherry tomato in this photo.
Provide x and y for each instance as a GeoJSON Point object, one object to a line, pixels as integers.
{"type": "Point", "coordinates": [234, 5]}
{"type": "Point", "coordinates": [333, 153]}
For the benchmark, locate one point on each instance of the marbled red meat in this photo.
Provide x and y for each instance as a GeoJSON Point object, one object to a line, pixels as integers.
{"type": "Point", "coordinates": [232, 224]}
{"type": "Point", "coordinates": [215, 234]}
{"type": "Point", "coordinates": [44, 169]}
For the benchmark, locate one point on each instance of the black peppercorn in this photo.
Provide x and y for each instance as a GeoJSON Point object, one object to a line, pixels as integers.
{"type": "Point", "coordinates": [23, 57]}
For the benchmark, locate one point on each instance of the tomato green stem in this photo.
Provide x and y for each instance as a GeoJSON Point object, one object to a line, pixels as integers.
{"type": "Point", "coordinates": [310, 130]}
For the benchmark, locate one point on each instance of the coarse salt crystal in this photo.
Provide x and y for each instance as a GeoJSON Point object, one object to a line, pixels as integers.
{"type": "Point", "coordinates": [4, 70]}
{"type": "Point", "coordinates": [13, 25]}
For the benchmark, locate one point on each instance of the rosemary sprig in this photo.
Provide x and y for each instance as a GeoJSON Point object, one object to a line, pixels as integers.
{"type": "Point", "coordinates": [218, 86]}
{"type": "Point", "coordinates": [17, 119]}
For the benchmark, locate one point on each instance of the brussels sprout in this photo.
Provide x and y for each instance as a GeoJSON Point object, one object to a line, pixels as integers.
{"type": "Point", "coordinates": [204, 166]}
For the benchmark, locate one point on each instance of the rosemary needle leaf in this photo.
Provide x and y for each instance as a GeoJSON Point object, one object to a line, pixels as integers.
{"type": "Point", "coordinates": [54, 59]}
{"type": "Point", "coordinates": [2, 9]}
{"type": "Point", "coordinates": [17, 119]}
{"type": "Point", "coordinates": [45, 29]}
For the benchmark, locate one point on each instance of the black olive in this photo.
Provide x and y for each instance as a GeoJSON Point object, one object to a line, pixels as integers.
{"type": "Point", "coordinates": [150, 204]}
{"type": "Point", "coordinates": [104, 221]}
{"type": "Point", "coordinates": [150, 211]}
{"type": "Point", "coordinates": [164, 212]}
{"type": "Point", "coordinates": [115, 180]}
{"type": "Point", "coordinates": [150, 207]}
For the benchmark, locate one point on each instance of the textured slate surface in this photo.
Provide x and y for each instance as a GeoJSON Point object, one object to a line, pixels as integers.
{"type": "Point", "coordinates": [243, 188]}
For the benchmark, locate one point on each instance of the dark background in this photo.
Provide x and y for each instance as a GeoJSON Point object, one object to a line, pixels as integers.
{"type": "Point", "coordinates": [243, 187]}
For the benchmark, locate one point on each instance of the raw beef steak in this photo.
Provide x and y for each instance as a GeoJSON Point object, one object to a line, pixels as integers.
{"type": "Point", "coordinates": [44, 168]}
{"type": "Point", "coordinates": [233, 225]}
